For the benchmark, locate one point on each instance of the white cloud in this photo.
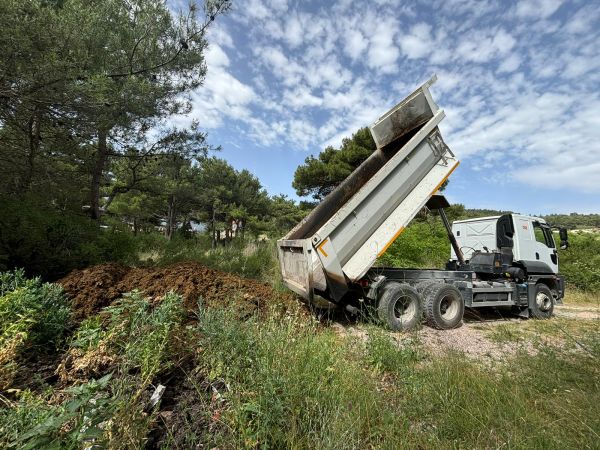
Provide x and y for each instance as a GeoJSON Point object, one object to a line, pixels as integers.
{"type": "Point", "coordinates": [537, 8]}
{"type": "Point", "coordinates": [294, 33]}
{"type": "Point", "coordinates": [383, 52]}
{"type": "Point", "coordinates": [519, 85]}
{"type": "Point", "coordinates": [510, 64]}
{"type": "Point", "coordinates": [216, 57]}
{"type": "Point", "coordinates": [417, 43]}
{"type": "Point", "coordinates": [301, 97]}
{"type": "Point", "coordinates": [584, 20]}
{"type": "Point", "coordinates": [481, 46]}
{"type": "Point", "coordinates": [355, 44]}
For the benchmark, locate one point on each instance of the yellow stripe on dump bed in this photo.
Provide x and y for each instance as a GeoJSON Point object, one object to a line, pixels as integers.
{"type": "Point", "coordinates": [391, 242]}
{"type": "Point", "coordinates": [437, 188]}
{"type": "Point", "coordinates": [320, 247]}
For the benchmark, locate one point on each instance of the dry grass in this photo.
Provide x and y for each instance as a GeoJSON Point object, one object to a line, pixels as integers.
{"type": "Point", "coordinates": [578, 297]}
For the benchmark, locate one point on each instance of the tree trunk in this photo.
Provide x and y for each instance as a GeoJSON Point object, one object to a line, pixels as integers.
{"type": "Point", "coordinates": [214, 231]}
{"type": "Point", "coordinates": [98, 171]}
{"type": "Point", "coordinates": [33, 128]}
{"type": "Point", "coordinates": [170, 218]}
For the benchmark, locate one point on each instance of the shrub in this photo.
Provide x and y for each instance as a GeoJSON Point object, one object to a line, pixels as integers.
{"type": "Point", "coordinates": [36, 314]}
{"type": "Point", "coordinates": [580, 263]}
{"type": "Point", "coordinates": [421, 245]}
{"type": "Point", "coordinates": [109, 412]}
{"type": "Point", "coordinates": [51, 242]}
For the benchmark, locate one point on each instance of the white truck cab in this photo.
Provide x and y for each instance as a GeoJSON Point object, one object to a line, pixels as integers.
{"type": "Point", "coordinates": [530, 238]}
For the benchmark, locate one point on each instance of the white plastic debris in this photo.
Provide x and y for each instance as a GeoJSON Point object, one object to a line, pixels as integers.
{"type": "Point", "coordinates": [157, 394]}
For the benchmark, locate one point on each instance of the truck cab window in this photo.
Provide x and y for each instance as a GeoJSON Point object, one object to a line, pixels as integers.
{"type": "Point", "coordinates": [543, 234]}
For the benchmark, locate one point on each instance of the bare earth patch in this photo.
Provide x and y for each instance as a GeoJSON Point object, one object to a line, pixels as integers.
{"type": "Point", "coordinates": [489, 336]}
{"type": "Point", "coordinates": [578, 311]}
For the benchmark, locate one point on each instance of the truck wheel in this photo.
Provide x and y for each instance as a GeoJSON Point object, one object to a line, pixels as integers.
{"type": "Point", "coordinates": [543, 306]}
{"type": "Point", "coordinates": [423, 286]}
{"type": "Point", "coordinates": [399, 306]}
{"type": "Point", "coordinates": [444, 306]}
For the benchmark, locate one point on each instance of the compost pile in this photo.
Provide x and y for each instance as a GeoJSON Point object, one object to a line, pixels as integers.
{"type": "Point", "coordinates": [96, 287]}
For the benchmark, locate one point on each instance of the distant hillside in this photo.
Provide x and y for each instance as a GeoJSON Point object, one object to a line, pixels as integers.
{"type": "Point", "coordinates": [572, 221]}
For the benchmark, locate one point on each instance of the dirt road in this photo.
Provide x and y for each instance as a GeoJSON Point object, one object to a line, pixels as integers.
{"type": "Point", "coordinates": [492, 336]}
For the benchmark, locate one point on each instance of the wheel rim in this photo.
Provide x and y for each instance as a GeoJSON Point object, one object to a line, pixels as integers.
{"type": "Point", "coordinates": [543, 301]}
{"type": "Point", "coordinates": [404, 309]}
{"type": "Point", "coordinates": [449, 307]}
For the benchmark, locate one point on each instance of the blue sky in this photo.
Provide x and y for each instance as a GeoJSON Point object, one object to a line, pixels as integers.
{"type": "Point", "coordinates": [519, 81]}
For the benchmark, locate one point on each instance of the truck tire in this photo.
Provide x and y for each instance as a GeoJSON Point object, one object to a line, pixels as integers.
{"type": "Point", "coordinates": [543, 306]}
{"type": "Point", "coordinates": [399, 306]}
{"type": "Point", "coordinates": [444, 306]}
{"type": "Point", "coordinates": [422, 286]}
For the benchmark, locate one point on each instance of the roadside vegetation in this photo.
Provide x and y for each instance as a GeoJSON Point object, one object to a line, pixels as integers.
{"type": "Point", "coordinates": [151, 374]}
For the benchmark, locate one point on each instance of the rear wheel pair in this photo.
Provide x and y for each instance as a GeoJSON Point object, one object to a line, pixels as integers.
{"type": "Point", "coordinates": [401, 306]}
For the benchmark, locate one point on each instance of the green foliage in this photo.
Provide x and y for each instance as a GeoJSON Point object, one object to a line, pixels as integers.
{"type": "Point", "coordinates": [35, 314]}
{"type": "Point", "coordinates": [384, 353]}
{"type": "Point", "coordinates": [250, 259]}
{"type": "Point", "coordinates": [30, 411]}
{"type": "Point", "coordinates": [574, 221]}
{"type": "Point", "coordinates": [285, 214]}
{"type": "Point", "coordinates": [290, 386]}
{"type": "Point", "coordinates": [580, 263]}
{"type": "Point", "coordinates": [319, 176]}
{"type": "Point", "coordinates": [87, 408]}
{"type": "Point", "coordinates": [51, 242]}
{"type": "Point", "coordinates": [82, 83]}
{"type": "Point", "coordinates": [89, 334]}
{"type": "Point", "coordinates": [141, 333]}
{"type": "Point", "coordinates": [110, 411]}
{"type": "Point", "coordinates": [10, 281]}
{"type": "Point", "coordinates": [421, 245]}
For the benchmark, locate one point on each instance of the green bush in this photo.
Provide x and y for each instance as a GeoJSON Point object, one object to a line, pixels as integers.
{"type": "Point", "coordinates": [51, 242]}
{"type": "Point", "coordinates": [580, 263]}
{"type": "Point", "coordinates": [35, 314]}
{"type": "Point", "coordinates": [423, 244]}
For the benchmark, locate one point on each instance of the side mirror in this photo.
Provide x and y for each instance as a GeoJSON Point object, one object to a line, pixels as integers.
{"type": "Point", "coordinates": [564, 238]}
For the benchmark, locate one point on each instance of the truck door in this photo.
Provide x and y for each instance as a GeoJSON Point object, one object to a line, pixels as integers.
{"type": "Point", "coordinates": [545, 249]}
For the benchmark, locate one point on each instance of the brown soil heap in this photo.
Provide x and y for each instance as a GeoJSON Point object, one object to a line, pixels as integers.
{"type": "Point", "coordinates": [94, 288]}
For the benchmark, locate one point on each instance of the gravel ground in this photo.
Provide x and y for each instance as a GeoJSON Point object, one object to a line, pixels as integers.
{"type": "Point", "coordinates": [472, 338]}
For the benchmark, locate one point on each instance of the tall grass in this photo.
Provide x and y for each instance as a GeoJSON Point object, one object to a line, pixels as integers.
{"type": "Point", "coordinates": [293, 386]}
{"type": "Point", "coordinates": [248, 258]}
{"type": "Point", "coordinates": [290, 386]}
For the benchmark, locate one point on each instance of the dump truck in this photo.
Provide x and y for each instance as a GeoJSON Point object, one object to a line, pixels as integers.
{"type": "Point", "coordinates": [502, 261]}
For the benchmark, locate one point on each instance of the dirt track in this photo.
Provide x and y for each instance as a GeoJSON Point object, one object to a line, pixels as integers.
{"type": "Point", "coordinates": [475, 338]}
{"type": "Point", "coordinates": [93, 288]}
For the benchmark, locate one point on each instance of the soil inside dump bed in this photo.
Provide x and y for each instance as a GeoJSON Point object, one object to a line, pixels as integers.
{"type": "Point", "coordinates": [94, 288]}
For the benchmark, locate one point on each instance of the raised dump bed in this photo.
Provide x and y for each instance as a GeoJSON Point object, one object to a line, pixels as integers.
{"type": "Point", "coordinates": [340, 240]}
